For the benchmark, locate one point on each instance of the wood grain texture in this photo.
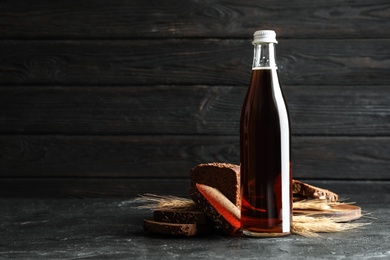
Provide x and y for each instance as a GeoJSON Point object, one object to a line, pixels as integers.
{"type": "Point", "coordinates": [339, 110]}
{"type": "Point", "coordinates": [130, 188]}
{"type": "Point", "coordinates": [122, 90]}
{"type": "Point", "coordinates": [190, 62]}
{"type": "Point", "coordinates": [110, 156]}
{"type": "Point", "coordinates": [91, 187]}
{"type": "Point", "coordinates": [173, 156]}
{"type": "Point", "coordinates": [173, 19]}
{"type": "Point", "coordinates": [187, 110]}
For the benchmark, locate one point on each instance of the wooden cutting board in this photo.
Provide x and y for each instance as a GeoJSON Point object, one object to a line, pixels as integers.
{"type": "Point", "coordinates": [341, 213]}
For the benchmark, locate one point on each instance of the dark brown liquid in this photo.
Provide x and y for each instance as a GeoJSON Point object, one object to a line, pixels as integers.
{"type": "Point", "coordinates": [260, 144]}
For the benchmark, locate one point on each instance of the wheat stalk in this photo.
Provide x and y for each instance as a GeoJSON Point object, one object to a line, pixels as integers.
{"type": "Point", "coordinates": [157, 202]}
{"type": "Point", "coordinates": [310, 227]}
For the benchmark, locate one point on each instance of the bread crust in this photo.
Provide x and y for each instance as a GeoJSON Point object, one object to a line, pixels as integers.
{"type": "Point", "coordinates": [223, 176]}
{"type": "Point", "coordinates": [313, 192]}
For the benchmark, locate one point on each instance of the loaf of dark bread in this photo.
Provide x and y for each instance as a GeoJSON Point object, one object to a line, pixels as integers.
{"type": "Point", "coordinates": [225, 177]}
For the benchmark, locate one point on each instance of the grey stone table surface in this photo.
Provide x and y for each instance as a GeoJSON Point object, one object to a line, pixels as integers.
{"type": "Point", "coordinates": [111, 228]}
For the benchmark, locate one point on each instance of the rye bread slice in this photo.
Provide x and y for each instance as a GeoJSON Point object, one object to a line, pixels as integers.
{"type": "Point", "coordinates": [225, 177]}
{"type": "Point", "coordinates": [175, 229]}
{"type": "Point", "coordinates": [181, 216]}
{"type": "Point", "coordinates": [224, 214]}
{"type": "Point", "coordinates": [313, 192]}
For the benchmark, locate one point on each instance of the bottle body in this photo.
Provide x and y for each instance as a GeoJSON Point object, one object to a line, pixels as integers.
{"type": "Point", "coordinates": [265, 157]}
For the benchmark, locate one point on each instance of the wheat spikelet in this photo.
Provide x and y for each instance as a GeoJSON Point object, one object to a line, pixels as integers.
{"type": "Point", "coordinates": [315, 204]}
{"type": "Point", "coordinates": [309, 226]}
{"type": "Point", "coordinates": [155, 202]}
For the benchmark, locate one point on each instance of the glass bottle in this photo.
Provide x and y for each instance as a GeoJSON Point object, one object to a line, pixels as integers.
{"type": "Point", "coordinates": [266, 206]}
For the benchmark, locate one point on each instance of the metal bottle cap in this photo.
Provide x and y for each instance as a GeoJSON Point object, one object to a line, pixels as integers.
{"type": "Point", "coordinates": [264, 36]}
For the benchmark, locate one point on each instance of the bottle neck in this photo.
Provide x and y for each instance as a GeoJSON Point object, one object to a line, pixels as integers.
{"type": "Point", "coordinates": [264, 56]}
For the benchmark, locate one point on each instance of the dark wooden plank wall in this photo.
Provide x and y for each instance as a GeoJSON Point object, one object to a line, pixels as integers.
{"type": "Point", "coordinates": [99, 92]}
